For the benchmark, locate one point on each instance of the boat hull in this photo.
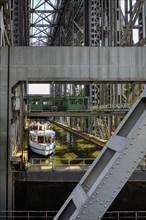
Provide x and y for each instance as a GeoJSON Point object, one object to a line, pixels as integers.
{"type": "Point", "coordinates": [42, 150]}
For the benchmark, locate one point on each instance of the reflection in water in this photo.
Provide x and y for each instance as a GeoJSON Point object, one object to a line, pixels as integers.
{"type": "Point", "coordinates": [67, 139]}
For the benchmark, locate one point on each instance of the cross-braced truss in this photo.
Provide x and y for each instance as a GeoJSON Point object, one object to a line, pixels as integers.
{"type": "Point", "coordinates": [45, 16]}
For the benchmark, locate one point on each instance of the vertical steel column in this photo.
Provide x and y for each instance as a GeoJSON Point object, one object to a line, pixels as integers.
{"type": "Point", "coordinates": [87, 21]}
{"type": "Point", "coordinates": [5, 175]}
{"type": "Point", "coordinates": [21, 119]}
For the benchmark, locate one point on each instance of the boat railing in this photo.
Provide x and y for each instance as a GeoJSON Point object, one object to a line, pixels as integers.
{"type": "Point", "coordinates": [56, 164]}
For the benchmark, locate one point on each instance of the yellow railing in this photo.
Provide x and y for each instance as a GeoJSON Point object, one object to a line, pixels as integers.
{"type": "Point", "coordinates": [59, 164]}
{"type": "Point", "coordinates": [56, 164]}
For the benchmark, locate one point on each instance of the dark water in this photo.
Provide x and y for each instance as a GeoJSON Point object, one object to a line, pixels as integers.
{"type": "Point", "coordinates": [50, 196]}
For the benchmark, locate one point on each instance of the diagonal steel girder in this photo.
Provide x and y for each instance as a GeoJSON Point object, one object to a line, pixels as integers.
{"type": "Point", "coordinates": [137, 8]}
{"type": "Point", "coordinates": [110, 171]}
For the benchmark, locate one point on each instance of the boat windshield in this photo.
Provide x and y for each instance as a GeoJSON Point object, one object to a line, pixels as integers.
{"type": "Point", "coordinates": [43, 127]}
{"type": "Point", "coordinates": [33, 138]}
{"type": "Point", "coordinates": [40, 139]}
{"type": "Point", "coordinates": [49, 139]}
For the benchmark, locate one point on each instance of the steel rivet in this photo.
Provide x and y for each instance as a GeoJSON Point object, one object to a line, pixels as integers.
{"type": "Point", "coordinates": [108, 200]}
{"type": "Point", "coordinates": [85, 206]}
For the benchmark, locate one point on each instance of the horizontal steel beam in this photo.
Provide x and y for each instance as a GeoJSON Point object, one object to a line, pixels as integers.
{"type": "Point", "coordinates": [75, 64]}
{"type": "Point", "coordinates": [74, 114]}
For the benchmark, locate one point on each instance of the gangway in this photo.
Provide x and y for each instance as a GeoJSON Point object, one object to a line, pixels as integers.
{"type": "Point", "coordinates": [109, 172]}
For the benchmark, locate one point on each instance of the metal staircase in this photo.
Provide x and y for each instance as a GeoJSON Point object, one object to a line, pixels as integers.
{"type": "Point", "coordinates": [111, 169]}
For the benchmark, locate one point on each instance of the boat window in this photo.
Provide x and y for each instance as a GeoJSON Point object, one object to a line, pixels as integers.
{"type": "Point", "coordinates": [33, 138]}
{"type": "Point", "coordinates": [41, 128]}
{"type": "Point", "coordinates": [48, 139]}
{"type": "Point", "coordinates": [40, 139]}
{"type": "Point", "coordinates": [34, 127]}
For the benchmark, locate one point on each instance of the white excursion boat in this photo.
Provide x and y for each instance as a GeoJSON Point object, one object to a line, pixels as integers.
{"type": "Point", "coordinates": [42, 139]}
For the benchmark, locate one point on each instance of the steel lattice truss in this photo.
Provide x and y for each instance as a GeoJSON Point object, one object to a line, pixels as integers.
{"type": "Point", "coordinates": [45, 16]}
{"type": "Point", "coordinates": [5, 35]}
{"type": "Point", "coordinates": [87, 23]}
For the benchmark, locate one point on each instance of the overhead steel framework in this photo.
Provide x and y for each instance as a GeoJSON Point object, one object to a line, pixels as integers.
{"type": "Point", "coordinates": [101, 23]}
{"type": "Point", "coordinates": [14, 25]}
{"type": "Point", "coordinates": [75, 22]}
{"type": "Point", "coordinates": [97, 23]}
